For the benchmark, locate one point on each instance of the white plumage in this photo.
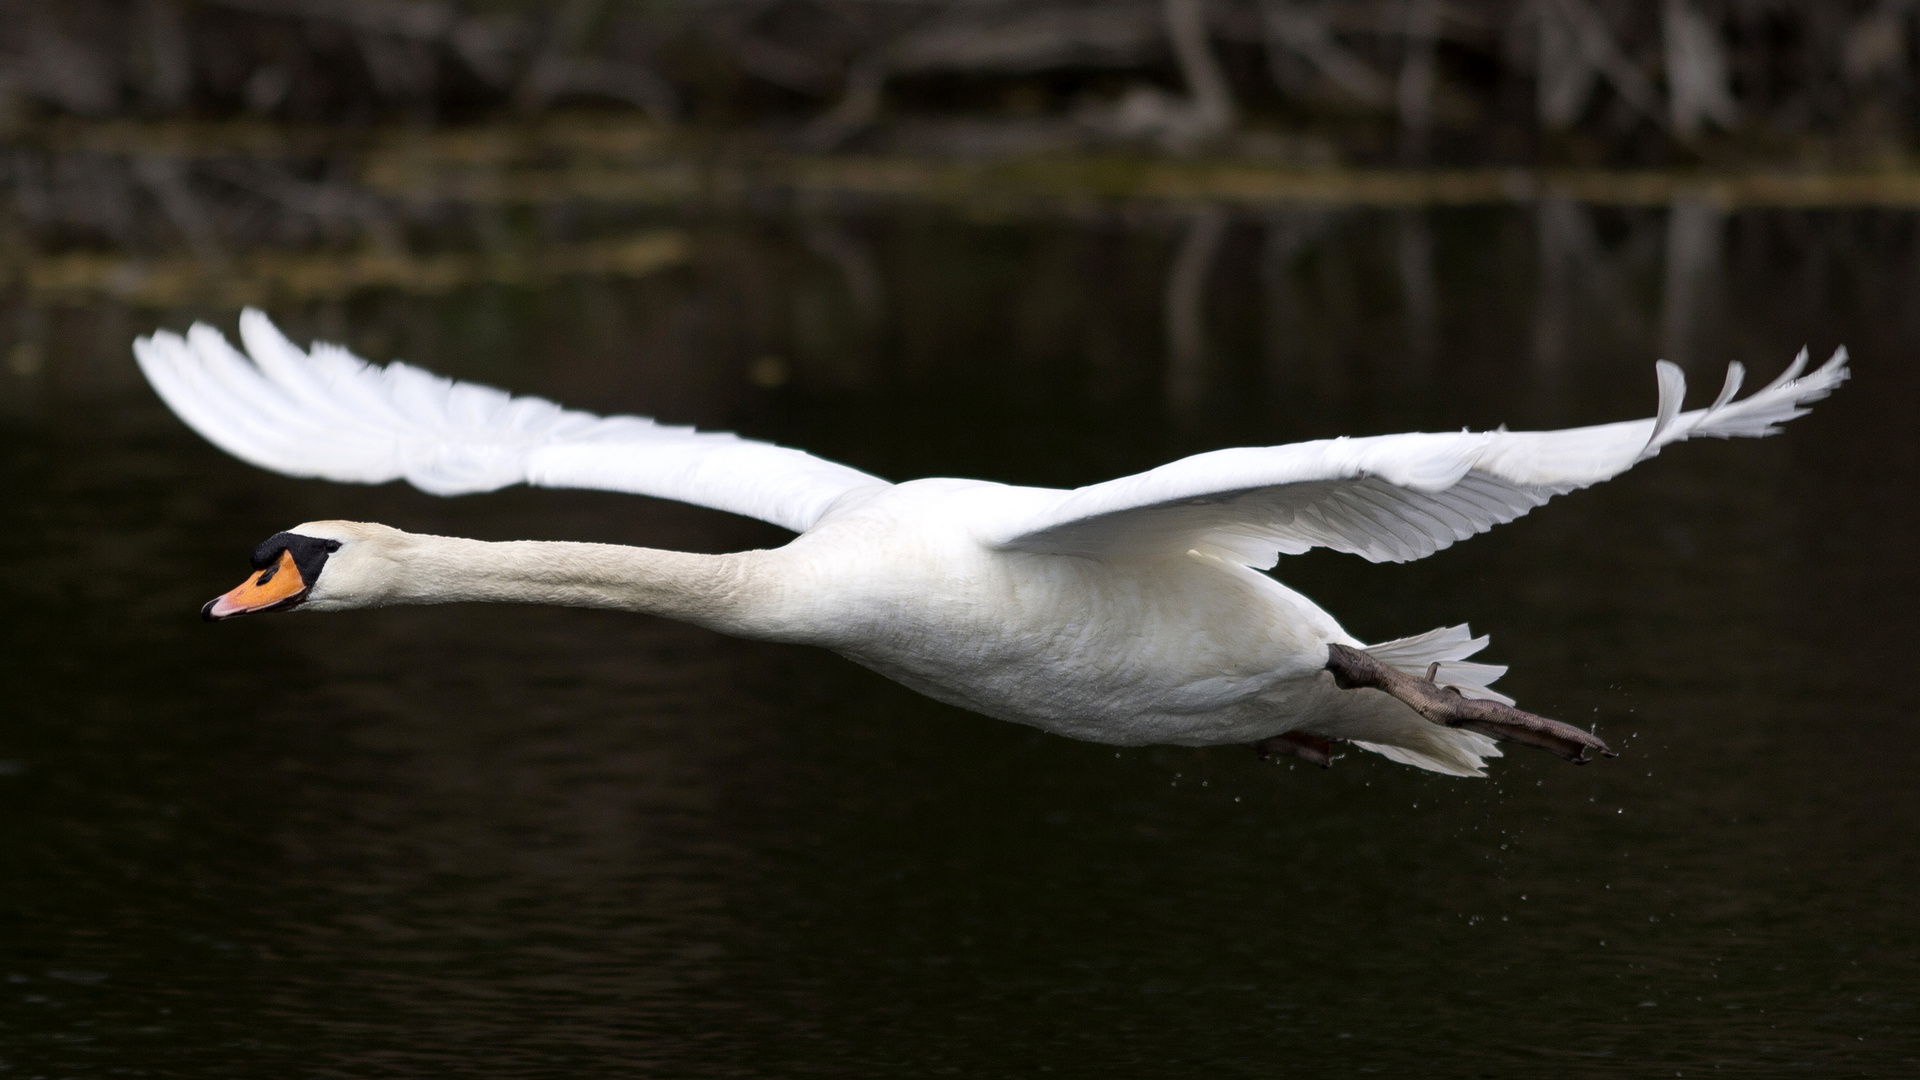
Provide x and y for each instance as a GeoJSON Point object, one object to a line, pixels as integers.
{"type": "Point", "coordinates": [1127, 612]}
{"type": "Point", "coordinates": [1391, 498]}
{"type": "Point", "coordinates": [329, 414]}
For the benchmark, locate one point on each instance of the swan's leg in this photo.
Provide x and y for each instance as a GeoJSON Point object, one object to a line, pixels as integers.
{"type": "Point", "coordinates": [1443, 705]}
{"type": "Point", "coordinates": [1311, 749]}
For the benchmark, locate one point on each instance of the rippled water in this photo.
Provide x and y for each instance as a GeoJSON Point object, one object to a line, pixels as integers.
{"type": "Point", "coordinates": [475, 841]}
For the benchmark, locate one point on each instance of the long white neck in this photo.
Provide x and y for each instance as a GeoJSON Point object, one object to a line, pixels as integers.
{"type": "Point", "coordinates": [723, 592]}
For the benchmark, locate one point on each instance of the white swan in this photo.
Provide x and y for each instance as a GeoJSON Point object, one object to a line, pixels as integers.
{"type": "Point", "coordinates": [1127, 612]}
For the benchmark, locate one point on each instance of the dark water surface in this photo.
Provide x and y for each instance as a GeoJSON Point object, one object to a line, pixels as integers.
{"type": "Point", "coordinates": [475, 841]}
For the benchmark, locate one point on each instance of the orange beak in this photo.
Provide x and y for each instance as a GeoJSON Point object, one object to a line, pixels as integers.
{"type": "Point", "coordinates": [278, 586]}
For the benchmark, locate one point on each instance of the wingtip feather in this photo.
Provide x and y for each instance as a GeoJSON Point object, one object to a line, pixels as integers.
{"type": "Point", "coordinates": [1736, 375]}
{"type": "Point", "coordinates": [1786, 398]}
{"type": "Point", "coordinates": [1673, 390]}
{"type": "Point", "coordinates": [1791, 373]}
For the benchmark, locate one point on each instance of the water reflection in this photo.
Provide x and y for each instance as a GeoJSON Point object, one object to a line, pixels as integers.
{"type": "Point", "coordinates": [1692, 274]}
{"type": "Point", "coordinates": [474, 840]}
{"type": "Point", "coordinates": [1186, 380]}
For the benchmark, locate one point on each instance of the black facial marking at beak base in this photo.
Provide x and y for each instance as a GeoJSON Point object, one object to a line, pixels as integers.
{"type": "Point", "coordinates": [309, 553]}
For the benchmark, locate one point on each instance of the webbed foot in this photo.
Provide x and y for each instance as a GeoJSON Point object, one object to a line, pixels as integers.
{"type": "Point", "coordinates": [1311, 749]}
{"type": "Point", "coordinates": [1445, 706]}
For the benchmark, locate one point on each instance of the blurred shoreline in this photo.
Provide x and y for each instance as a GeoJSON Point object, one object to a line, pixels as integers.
{"type": "Point", "coordinates": [233, 212]}
{"type": "Point", "coordinates": [624, 160]}
{"type": "Point", "coordinates": [225, 151]}
{"type": "Point", "coordinates": [1457, 83]}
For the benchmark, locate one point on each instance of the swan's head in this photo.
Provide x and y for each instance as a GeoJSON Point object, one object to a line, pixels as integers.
{"type": "Point", "coordinates": [322, 565]}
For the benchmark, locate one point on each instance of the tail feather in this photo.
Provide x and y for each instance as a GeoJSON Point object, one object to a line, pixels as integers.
{"type": "Point", "coordinates": [1446, 646]}
{"type": "Point", "coordinates": [1448, 751]}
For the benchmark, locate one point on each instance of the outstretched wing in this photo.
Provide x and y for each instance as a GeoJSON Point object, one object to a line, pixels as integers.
{"type": "Point", "coordinates": [1389, 498]}
{"type": "Point", "coordinates": [328, 414]}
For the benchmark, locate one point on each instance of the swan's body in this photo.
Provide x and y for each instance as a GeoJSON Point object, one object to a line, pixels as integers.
{"type": "Point", "coordinates": [1128, 612]}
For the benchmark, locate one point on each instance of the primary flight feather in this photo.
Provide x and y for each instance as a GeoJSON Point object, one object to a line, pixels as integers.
{"type": "Point", "coordinates": [1128, 612]}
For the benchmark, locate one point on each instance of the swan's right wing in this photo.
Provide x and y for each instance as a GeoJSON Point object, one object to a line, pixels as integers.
{"type": "Point", "coordinates": [1386, 498]}
{"type": "Point", "coordinates": [328, 414]}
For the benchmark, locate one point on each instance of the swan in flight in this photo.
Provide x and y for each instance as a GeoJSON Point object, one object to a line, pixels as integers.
{"type": "Point", "coordinates": [1128, 612]}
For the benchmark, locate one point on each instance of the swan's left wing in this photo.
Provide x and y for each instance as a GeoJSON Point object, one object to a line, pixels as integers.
{"type": "Point", "coordinates": [1389, 498]}
{"type": "Point", "coordinates": [326, 413]}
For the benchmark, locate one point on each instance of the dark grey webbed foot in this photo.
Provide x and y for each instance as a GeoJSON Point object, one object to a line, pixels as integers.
{"type": "Point", "coordinates": [1311, 749]}
{"type": "Point", "coordinates": [1353, 669]}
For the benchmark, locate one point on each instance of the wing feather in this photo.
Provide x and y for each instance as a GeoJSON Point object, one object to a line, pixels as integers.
{"type": "Point", "coordinates": [326, 413]}
{"type": "Point", "coordinates": [1389, 498]}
